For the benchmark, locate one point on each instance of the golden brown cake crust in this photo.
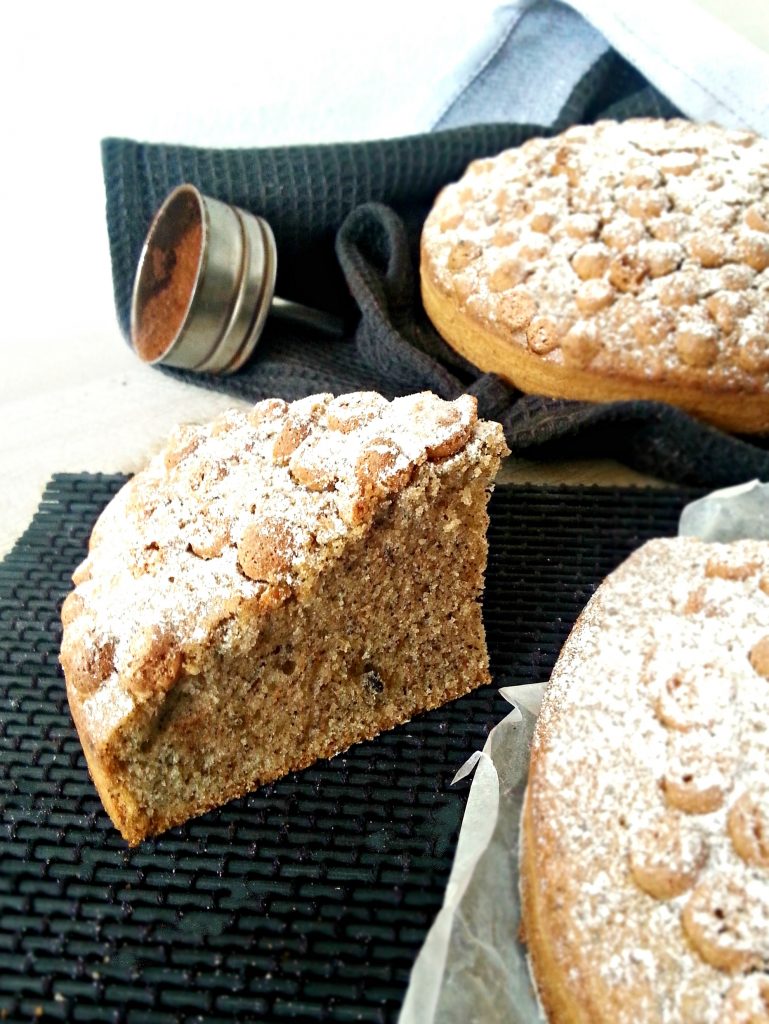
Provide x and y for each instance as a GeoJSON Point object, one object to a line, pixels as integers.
{"type": "Point", "coordinates": [235, 592]}
{"type": "Point", "coordinates": [645, 832]}
{"type": "Point", "coordinates": [613, 261]}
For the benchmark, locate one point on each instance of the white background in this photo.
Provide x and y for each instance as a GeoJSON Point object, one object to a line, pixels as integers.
{"type": "Point", "coordinates": [220, 74]}
{"type": "Point", "coordinates": [72, 397]}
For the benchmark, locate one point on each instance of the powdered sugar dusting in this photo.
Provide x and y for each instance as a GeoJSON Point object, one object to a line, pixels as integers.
{"type": "Point", "coordinates": [668, 906]}
{"type": "Point", "coordinates": [657, 232]}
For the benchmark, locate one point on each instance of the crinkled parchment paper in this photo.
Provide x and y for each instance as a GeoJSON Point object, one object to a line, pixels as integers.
{"type": "Point", "coordinates": [735, 513]}
{"type": "Point", "coordinates": [472, 969]}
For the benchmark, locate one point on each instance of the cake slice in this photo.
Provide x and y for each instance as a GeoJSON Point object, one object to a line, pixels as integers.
{"type": "Point", "coordinates": [274, 587]}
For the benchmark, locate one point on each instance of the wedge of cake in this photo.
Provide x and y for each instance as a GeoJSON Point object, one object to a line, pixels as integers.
{"type": "Point", "coordinates": [274, 587]}
{"type": "Point", "coordinates": [645, 832]}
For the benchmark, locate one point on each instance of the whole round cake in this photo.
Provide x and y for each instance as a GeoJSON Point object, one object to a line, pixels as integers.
{"type": "Point", "coordinates": [613, 261]}
{"type": "Point", "coordinates": [645, 831]}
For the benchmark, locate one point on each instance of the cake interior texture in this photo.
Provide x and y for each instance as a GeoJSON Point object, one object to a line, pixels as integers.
{"type": "Point", "coordinates": [329, 643]}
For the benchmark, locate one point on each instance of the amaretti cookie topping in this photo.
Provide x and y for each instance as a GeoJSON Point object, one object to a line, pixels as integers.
{"type": "Point", "coordinates": [646, 826]}
{"type": "Point", "coordinates": [633, 252]}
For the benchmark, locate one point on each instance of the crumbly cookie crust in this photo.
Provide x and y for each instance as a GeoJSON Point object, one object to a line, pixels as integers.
{"type": "Point", "coordinates": [635, 250]}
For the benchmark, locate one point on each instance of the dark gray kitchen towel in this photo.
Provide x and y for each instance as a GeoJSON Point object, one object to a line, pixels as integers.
{"type": "Point", "coordinates": [347, 219]}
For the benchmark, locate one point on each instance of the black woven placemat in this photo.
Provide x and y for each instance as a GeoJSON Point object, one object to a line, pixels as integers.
{"type": "Point", "coordinates": [308, 899]}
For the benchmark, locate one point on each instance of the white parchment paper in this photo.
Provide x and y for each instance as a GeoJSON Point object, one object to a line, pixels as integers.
{"type": "Point", "coordinates": [735, 513]}
{"type": "Point", "coordinates": [472, 966]}
{"type": "Point", "coordinates": [472, 969]}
